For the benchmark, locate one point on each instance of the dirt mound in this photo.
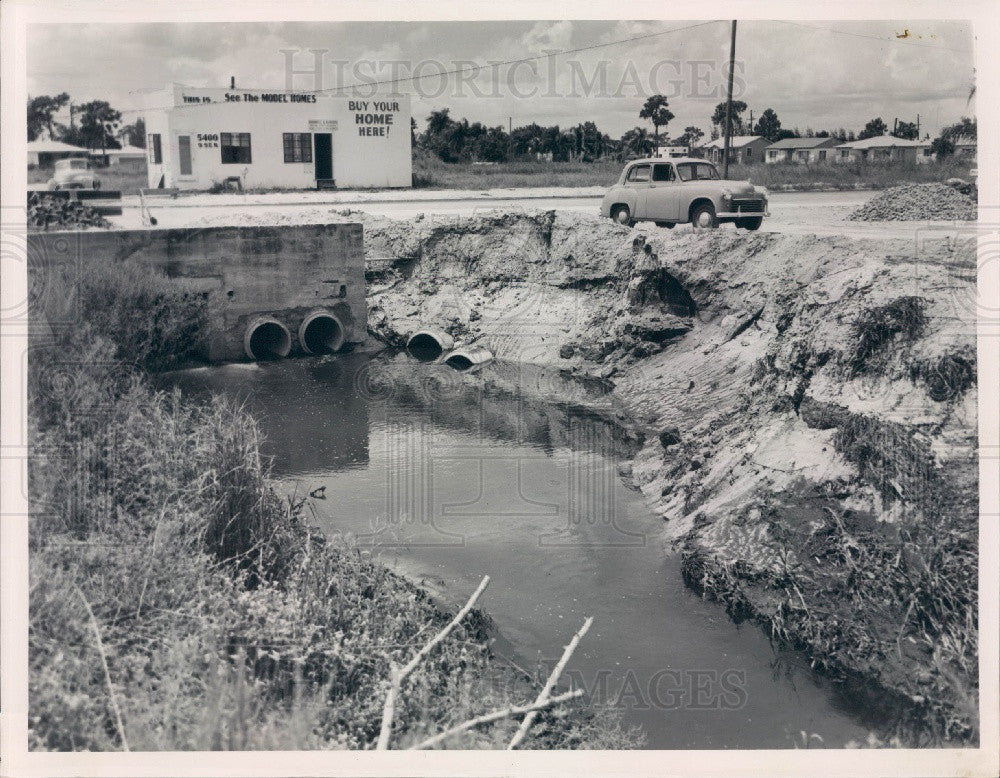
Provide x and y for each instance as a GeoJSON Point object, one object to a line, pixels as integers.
{"type": "Point", "coordinates": [802, 417]}
{"type": "Point", "coordinates": [917, 202]}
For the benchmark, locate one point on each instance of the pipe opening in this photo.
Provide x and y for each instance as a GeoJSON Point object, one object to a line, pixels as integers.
{"type": "Point", "coordinates": [425, 347]}
{"type": "Point", "coordinates": [321, 333]}
{"type": "Point", "coordinates": [468, 357]}
{"type": "Point", "coordinates": [267, 339]}
{"type": "Point", "coordinates": [459, 362]}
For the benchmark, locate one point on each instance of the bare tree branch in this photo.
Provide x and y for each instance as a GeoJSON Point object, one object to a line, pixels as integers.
{"type": "Point", "coordinates": [551, 682]}
{"type": "Point", "coordinates": [399, 675]}
{"type": "Point", "coordinates": [496, 715]}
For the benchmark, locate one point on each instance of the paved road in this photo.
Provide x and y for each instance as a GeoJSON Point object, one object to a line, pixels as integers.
{"type": "Point", "coordinates": [822, 213]}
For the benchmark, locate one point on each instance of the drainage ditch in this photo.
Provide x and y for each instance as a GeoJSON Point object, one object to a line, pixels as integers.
{"type": "Point", "coordinates": [450, 476]}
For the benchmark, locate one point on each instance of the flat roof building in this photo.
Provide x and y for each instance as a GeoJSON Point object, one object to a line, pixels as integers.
{"type": "Point", "coordinates": [201, 137]}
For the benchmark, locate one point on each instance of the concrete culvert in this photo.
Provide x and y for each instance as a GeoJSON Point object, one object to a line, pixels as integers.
{"type": "Point", "coordinates": [267, 338]}
{"type": "Point", "coordinates": [466, 358]}
{"type": "Point", "coordinates": [429, 345]}
{"type": "Point", "coordinates": [321, 332]}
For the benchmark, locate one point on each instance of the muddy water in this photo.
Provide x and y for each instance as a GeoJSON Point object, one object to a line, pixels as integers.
{"type": "Point", "coordinates": [449, 479]}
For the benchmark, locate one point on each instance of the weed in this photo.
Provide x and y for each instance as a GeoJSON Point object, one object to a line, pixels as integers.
{"type": "Point", "coordinates": [947, 377]}
{"type": "Point", "coordinates": [902, 320]}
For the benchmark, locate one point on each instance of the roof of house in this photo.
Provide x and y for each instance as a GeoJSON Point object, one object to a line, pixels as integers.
{"type": "Point", "coordinates": [801, 143]}
{"type": "Point", "coordinates": [883, 141]}
{"type": "Point", "coordinates": [124, 151]}
{"type": "Point", "coordinates": [52, 147]}
{"type": "Point", "coordinates": [734, 142]}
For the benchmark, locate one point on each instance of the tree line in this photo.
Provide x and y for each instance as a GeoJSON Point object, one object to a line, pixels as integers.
{"type": "Point", "coordinates": [92, 125]}
{"type": "Point", "coordinates": [97, 125]}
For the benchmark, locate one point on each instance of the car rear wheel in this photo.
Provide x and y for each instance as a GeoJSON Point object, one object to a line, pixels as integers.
{"type": "Point", "coordinates": [703, 217]}
{"type": "Point", "coordinates": [750, 224]}
{"type": "Point", "coordinates": [622, 215]}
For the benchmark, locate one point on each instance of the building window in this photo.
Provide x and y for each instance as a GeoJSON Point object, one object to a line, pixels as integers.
{"type": "Point", "coordinates": [804, 156]}
{"type": "Point", "coordinates": [298, 146]}
{"type": "Point", "coordinates": [155, 149]}
{"type": "Point", "coordinates": [822, 155]}
{"type": "Point", "coordinates": [235, 148]}
{"type": "Point", "coordinates": [749, 152]}
{"type": "Point", "coordinates": [845, 153]}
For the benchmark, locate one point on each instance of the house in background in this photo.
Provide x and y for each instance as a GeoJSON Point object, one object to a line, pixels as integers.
{"type": "Point", "coordinates": [128, 158]}
{"type": "Point", "coordinates": [802, 151]}
{"type": "Point", "coordinates": [44, 153]}
{"type": "Point", "coordinates": [884, 148]}
{"type": "Point", "coordinates": [743, 149]}
{"type": "Point", "coordinates": [965, 147]}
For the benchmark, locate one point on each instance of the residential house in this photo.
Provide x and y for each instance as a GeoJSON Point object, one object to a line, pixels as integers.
{"type": "Point", "coordinates": [802, 151]}
{"type": "Point", "coordinates": [883, 148]}
{"type": "Point", "coordinates": [130, 158]}
{"type": "Point", "coordinates": [44, 153]}
{"type": "Point", "coordinates": [743, 149]}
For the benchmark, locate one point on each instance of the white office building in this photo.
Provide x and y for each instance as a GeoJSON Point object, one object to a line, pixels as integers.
{"type": "Point", "coordinates": [259, 139]}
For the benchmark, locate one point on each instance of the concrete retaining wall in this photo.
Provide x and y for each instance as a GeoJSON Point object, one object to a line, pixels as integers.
{"type": "Point", "coordinates": [284, 272]}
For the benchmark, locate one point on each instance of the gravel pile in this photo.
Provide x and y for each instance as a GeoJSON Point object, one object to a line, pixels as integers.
{"type": "Point", "coordinates": [50, 213]}
{"type": "Point", "coordinates": [917, 202]}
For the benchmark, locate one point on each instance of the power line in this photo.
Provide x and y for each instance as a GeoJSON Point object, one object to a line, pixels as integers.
{"type": "Point", "coordinates": [897, 39]}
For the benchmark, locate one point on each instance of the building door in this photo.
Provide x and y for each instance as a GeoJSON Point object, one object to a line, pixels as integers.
{"type": "Point", "coordinates": [323, 142]}
{"type": "Point", "coordinates": [184, 152]}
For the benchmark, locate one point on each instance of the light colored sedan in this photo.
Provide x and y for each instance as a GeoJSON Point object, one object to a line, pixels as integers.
{"type": "Point", "coordinates": [680, 191]}
{"type": "Point", "coordinates": [74, 173]}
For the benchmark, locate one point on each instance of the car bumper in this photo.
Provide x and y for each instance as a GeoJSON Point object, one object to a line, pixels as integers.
{"type": "Point", "coordinates": [742, 214]}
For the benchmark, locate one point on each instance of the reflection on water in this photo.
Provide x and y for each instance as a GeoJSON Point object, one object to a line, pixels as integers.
{"type": "Point", "coordinates": [453, 477]}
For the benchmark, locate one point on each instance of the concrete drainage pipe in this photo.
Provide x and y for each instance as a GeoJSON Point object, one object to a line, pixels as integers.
{"type": "Point", "coordinates": [469, 357]}
{"type": "Point", "coordinates": [321, 332]}
{"type": "Point", "coordinates": [429, 345]}
{"type": "Point", "coordinates": [266, 338]}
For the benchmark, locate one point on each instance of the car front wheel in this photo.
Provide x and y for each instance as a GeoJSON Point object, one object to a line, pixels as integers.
{"type": "Point", "coordinates": [750, 224]}
{"type": "Point", "coordinates": [622, 215]}
{"type": "Point", "coordinates": [703, 217]}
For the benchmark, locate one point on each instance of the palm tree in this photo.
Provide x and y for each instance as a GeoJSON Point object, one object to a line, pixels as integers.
{"type": "Point", "coordinates": [637, 141]}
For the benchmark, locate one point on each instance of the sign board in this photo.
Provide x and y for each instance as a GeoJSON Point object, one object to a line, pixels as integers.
{"type": "Point", "coordinates": [322, 125]}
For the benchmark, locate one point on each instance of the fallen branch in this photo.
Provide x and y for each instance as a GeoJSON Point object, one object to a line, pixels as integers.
{"type": "Point", "coordinates": [496, 715]}
{"type": "Point", "coordinates": [398, 674]}
{"type": "Point", "coordinates": [543, 696]}
{"type": "Point", "coordinates": [107, 673]}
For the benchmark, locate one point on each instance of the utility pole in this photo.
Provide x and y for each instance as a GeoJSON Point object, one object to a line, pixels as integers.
{"type": "Point", "coordinates": [729, 102]}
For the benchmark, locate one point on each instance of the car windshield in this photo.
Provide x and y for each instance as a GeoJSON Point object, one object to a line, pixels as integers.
{"type": "Point", "coordinates": [689, 171]}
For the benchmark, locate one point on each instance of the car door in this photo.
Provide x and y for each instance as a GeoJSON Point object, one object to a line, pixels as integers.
{"type": "Point", "coordinates": [637, 180]}
{"type": "Point", "coordinates": [660, 197]}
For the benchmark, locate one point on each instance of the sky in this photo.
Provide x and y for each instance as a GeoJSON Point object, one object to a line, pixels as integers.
{"type": "Point", "coordinates": [814, 74]}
